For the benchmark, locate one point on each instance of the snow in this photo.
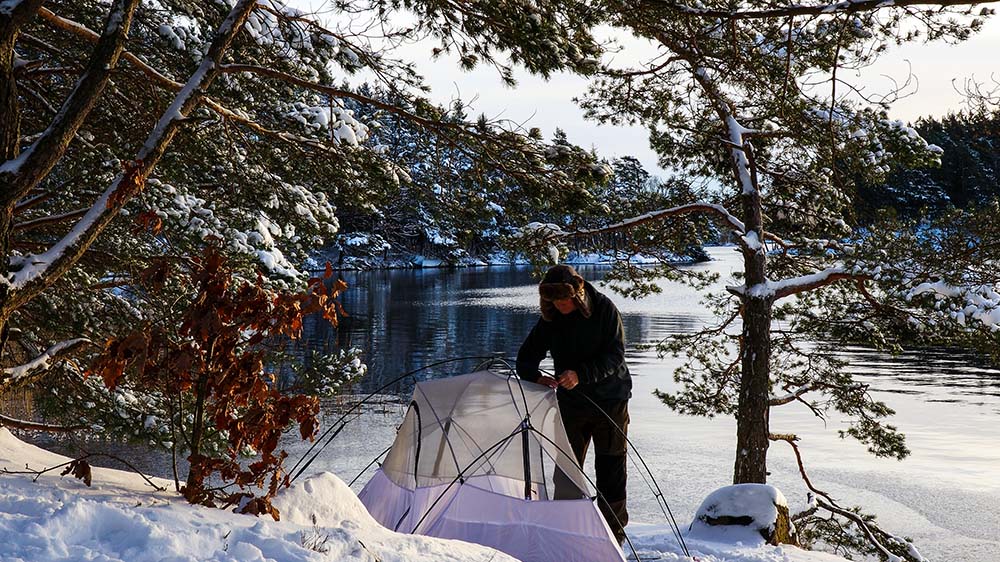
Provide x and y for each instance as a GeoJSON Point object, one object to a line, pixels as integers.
{"type": "Point", "coordinates": [790, 285]}
{"type": "Point", "coordinates": [41, 362]}
{"type": "Point", "coordinates": [736, 132]}
{"type": "Point", "coordinates": [7, 6]}
{"type": "Point", "coordinates": [752, 240]}
{"type": "Point", "coordinates": [757, 501]}
{"type": "Point", "coordinates": [121, 518]}
{"type": "Point", "coordinates": [654, 542]}
{"type": "Point", "coordinates": [977, 302]}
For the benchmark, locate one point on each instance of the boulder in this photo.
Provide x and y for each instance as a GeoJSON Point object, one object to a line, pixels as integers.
{"type": "Point", "coordinates": [745, 513]}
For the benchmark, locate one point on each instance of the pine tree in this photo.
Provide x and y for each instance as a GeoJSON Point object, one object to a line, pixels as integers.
{"type": "Point", "coordinates": [752, 96]}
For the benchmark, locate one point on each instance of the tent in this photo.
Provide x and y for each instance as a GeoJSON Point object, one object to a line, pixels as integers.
{"type": "Point", "coordinates": [484, 458]}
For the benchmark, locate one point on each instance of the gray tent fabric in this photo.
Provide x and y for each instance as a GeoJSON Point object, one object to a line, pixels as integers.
{"type": "Point", "coordinates": [476, 459]}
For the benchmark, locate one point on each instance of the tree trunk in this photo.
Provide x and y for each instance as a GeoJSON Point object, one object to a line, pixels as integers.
{"type": "Point", "coordinates": [10, 136]}
{"type": "Point", "coordinates": [10, 114]}
{"type": "Point", "coordinates": [754, 410]}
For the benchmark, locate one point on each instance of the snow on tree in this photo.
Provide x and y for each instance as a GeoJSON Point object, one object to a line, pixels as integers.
{"type": "Point", "coordinates": [755, 96]}
{"type": "Point", "coordinates": [137, 134]}
{"type": "Point", "coordinates": [193, 122]}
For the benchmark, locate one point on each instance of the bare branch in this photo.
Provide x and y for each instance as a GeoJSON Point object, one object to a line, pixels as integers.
{"type": "Point", "coordinates": [843, 6]}
{"type": "Point", "coordinates": [830, 505]}
{"type": "Point", "coordinates": [52, 219]}
{"type": "Point", "coordinates": [699, 207]}
{"type": "Point", "coordinates": [132, 467]}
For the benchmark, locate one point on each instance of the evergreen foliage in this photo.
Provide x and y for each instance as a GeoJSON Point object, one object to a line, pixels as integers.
{"type": "Point", "coordinates": [967, 178]}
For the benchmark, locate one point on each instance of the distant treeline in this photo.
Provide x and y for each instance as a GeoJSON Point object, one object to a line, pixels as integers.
{"type": "Point", "coordinates": [969, 175]}
{"type": "Point", "coordinates": [444, 206]}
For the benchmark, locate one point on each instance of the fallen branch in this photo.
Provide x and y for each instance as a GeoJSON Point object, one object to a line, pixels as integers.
{"type": "Point", "coordinates": [38, 473]}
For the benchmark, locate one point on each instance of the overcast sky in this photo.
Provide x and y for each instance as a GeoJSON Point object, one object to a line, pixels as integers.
{"type": "Point", "coordinates": [549, 104]}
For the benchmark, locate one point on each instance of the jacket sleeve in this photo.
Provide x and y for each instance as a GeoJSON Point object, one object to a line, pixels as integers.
{"type": "Point", "coordinates": [532, 352]}
{"type": "Point", "coordinates": [609, 360]}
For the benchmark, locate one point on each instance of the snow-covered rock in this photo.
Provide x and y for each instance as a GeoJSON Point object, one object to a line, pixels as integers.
{"type": "Point", "coordinates": [744, 513]}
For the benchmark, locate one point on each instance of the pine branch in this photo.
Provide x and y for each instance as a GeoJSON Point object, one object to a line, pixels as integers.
{"type": "Point", "coordinates": [12, 377]}
{"type": "Point", "coordinates": [844, 6]}
{"type": "Point", "coordinates": [42, 270]}
{"type": "Point", "coordinates": [161, 80]}
{"type": "Point", "coordinates": [22, 174]}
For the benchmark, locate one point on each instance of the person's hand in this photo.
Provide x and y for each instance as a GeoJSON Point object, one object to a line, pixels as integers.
{"type": "Point", "coordinates": [548, 381]}
{"type": "Point", "coordinates": [569, 379]}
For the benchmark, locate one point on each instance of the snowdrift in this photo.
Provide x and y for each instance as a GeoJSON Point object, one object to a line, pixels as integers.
{"type": "Point", "coordinates": [121, 518]}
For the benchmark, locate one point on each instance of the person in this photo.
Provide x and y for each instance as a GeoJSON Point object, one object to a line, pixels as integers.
{"type": "Point", "coordinates": [582, 330]}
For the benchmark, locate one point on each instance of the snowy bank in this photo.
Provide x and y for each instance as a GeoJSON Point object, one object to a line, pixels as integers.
{"type": "Point", "coordinates": [120, 517]}
{"type": "Point", "coordinates": [345, 261]}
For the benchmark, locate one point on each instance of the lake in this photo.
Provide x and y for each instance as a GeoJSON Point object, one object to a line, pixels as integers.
{"type": "Point", "coordinates": [944, 496]}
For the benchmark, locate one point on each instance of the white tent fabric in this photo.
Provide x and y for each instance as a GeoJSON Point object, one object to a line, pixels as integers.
{"type": "Point", "coordinates": [466, 465]}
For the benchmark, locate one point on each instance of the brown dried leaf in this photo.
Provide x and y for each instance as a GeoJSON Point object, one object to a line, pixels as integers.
{"type": "Point", "coordinates": [79, 468]}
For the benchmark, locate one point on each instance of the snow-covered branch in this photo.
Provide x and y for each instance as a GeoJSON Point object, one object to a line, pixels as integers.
{"type": "Point", "coordinates": [793, 285]}
{"type": "Point", "coordinates": [6, 421]}
{"type": "Point", "coordinates": [823, 8]}
{"type": "Point", "coordinates": [698, 207]}
{"type": "Point", "coordinates": [38, 271]}
{"type": "Point", "coordinates": [23, 173]}
{"type": "Point", "coordinates": [793, 395]}
{"type": "Point", "coordinates": [977, 303]}
{"type": "Point", "coordinates": [11, 377]}
{"type": "Point", "coordinates": [163, 81]}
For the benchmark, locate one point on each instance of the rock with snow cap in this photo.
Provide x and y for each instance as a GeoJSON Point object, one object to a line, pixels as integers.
{"type": "Point", "coordinates": [744, 513]}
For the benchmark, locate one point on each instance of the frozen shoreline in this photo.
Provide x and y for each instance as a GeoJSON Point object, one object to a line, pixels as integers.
{"type": "Point", "coordinates": [121, 518]}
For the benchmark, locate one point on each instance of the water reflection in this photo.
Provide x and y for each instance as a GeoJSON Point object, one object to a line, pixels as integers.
{"type": "Point", "coordinates": [946, 402]}
{"type": "Point", "coordinates": [957, 373]}
{"type": "Point", "coordinates": [405, 319]}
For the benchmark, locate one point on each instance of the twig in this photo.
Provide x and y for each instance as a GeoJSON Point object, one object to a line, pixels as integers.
{"type": "Point", "coordinates": [38, 473]}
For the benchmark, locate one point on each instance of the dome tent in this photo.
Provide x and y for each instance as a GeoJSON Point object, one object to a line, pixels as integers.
{"type": "Point", "coordinates": [484, 458]}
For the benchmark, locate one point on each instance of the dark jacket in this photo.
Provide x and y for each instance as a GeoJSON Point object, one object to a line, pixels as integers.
{"type": "Point", "coordinates": [593, 347]}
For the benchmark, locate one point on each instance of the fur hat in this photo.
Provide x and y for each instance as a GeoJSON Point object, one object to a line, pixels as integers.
{"type": "Point", "coordinates": [562, 282]}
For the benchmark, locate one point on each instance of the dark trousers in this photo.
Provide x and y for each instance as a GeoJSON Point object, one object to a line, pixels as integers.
{"type": "Point", "coordinates": [585, 423]}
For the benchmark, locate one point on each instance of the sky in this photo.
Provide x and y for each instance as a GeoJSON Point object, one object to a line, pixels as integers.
{"type": "Point", "coordinates": [937, 68]}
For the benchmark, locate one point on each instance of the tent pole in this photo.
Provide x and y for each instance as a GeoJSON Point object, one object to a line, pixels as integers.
{"type": "Point", "coordinates": [527, 461]}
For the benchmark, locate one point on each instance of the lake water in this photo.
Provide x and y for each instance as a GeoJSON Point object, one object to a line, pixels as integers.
{"type": "Point", "coordinates": [945, 495]}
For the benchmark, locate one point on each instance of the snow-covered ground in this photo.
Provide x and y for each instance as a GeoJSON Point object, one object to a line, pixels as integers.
{"type": "Point", "coordinates": [120, 517]}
